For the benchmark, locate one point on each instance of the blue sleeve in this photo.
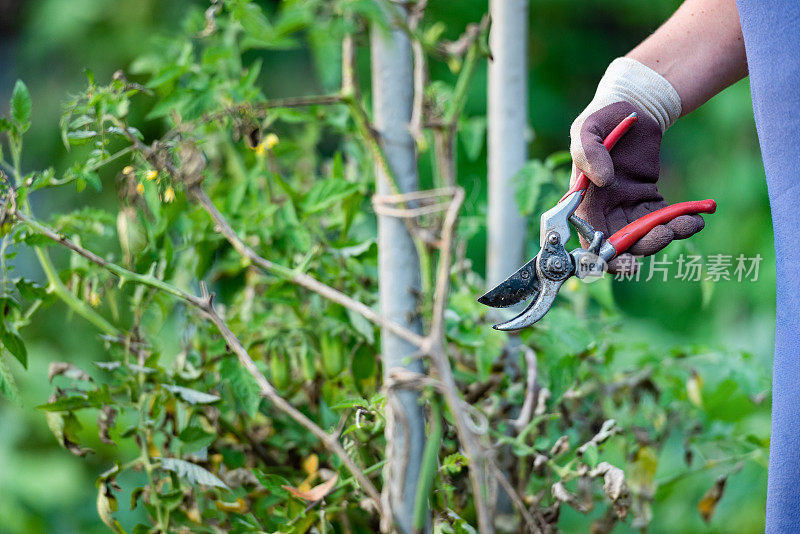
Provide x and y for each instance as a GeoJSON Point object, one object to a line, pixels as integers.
{"type": "Point", "coordinates": [772, 41]}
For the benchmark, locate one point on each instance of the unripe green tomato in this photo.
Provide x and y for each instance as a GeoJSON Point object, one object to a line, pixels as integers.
{"type": "Point", "coordinates": [332, 352]}
{"type": "Point", "coordinates": [307, 363]}
{"type": "Point", "coordinates": [279, 369]}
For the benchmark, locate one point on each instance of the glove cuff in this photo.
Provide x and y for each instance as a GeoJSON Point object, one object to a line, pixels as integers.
{"type": "Point", "coordinates": [627, 80]}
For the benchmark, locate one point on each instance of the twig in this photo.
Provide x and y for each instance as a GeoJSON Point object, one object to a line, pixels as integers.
{"type": "Point", "coordinates": [514, 496]}
{"type": "Point", "coordinates": [261, 108]}
{"type": "Point", "coordinates": [415, 125]}
{"type": "Point", "coordinates": [438, 355]}
{"type": "Point", "coordinates": [300, 279]}
{"type": "Point", "coordinates": [531, 388]}
{"type": "Point", "coordinates": [205, 305]}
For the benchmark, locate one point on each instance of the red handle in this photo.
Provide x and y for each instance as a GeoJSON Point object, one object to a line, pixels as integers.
{"type": "Point", "coordinates": [633, 232]}
{"type": "Point", "coordinates": [582, 182]}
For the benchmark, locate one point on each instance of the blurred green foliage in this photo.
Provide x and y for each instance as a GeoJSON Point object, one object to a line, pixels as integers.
{"type": "Point", "coordinates": [709, 154]}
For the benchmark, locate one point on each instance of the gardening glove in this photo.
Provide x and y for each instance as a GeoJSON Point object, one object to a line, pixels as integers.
{"type": "Point", "coordinates": [623, 182]}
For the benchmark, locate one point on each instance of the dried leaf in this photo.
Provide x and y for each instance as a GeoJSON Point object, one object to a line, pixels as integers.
{"type": "Point", "coordinates": [608, 429]}
{"type": "Point", "coordinates": [560, 493]}
{"type": "Point", "coordinates": [708, 504]}
{"type": "Point", "coordinates": [614, 486]}
{"type": "Point", "coordinates": [105, 421]}
{"type": "Point", "coordinates": [560, 446]}
{"type": "Point", "coordinates": [694, 389]}
{"type": "Point", "coordinates": [68, 370]}
{"type": "Point", "coordinates": [316, 493]}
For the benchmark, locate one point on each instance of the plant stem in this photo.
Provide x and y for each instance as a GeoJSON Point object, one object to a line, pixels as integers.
{"type": "Point", "coordinates": [430, 462]}
{"type": "Point", "coordinates": [205, 305]}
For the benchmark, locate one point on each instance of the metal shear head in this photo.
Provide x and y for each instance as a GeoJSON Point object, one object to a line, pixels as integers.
{"type": "Point", "coordinates": [542, 277]}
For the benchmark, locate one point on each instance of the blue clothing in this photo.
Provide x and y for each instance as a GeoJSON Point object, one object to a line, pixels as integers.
{"type": "Point", "coordinates": [772, 41]}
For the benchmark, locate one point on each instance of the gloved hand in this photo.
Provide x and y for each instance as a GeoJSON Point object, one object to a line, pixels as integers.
{"type": "Point", "coordinates": [623, 182]}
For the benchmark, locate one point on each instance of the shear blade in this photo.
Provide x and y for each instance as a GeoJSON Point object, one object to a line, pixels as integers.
{"type": "Point", "coordinates": [518, 287]}
{"type": "Point", "coordinates": [536, 310]}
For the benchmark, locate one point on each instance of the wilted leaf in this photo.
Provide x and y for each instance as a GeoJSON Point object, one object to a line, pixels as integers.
{"type": "Point", "coordinates": [68, 370]}
{"type": "Point", "coordinates": [106, 504]}
{"type": "Point", "coordinates": [694, 388]}
{"type": "Point", "coordinates": [192, 472]}
{"type": "Point", "coordinates": [560, 446]}
{"type": "Point", "coordinates": [63, 426]}
{"type": "Point", "coordinates": [192, 396]}
{"type": "Point", "coordinates": [614, 486]}
{"type": "Point", "coordinates": [316, 493]}
{"type": "Point", "coordinates": [105, 421]}
{"type": "Point", "coordinates": [708, 504]}
{"type": "Point", "coordinates": [560, 493]}
{"type": "Point", "coordinates": [608, 429]}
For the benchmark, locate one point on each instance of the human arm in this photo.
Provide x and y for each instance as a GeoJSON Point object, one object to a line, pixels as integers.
{"type": "Point", "coordinates": [699, 50]}
{"type": "Point", "coordinates": [695, 54]}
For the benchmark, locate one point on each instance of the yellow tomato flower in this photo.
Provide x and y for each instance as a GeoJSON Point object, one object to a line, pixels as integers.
{"type": "Point", "coordinates": [127, 170]}
{"type": "Point", "coordinates": [94, 299]}
{"type": "Point", "coordinates": [271, 140]}
{"type": "Point", "coordinates": [140, 188]}
{"type": "Point", "coordinates": [169, 194]}
{"type": "Point", "coordinates": [152, 175]}
{"type": "Point", "coordinates": [268, 143]}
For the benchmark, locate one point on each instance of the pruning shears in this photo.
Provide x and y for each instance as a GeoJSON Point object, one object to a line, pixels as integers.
{"type": "Point", "coordinates": [542, 277]}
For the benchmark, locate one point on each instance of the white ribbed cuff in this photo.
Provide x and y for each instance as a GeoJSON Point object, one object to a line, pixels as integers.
{"type": "Point", "coordinates": [627, 80]}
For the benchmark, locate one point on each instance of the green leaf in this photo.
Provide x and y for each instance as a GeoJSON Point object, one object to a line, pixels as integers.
{"type": "Point", "coordinates": [362, 325]}
{"type": "Point", "coordinates": [591, 455]}
{"type": "Point", "coordinates": [8, 386]}
{"type": "Point", "coordinates": [21, 106]}
{"type": "Point", "coordinates": [192, 472]}
{"type": "Point", "coordinates": [473, 134]}
{"type": "Point", "coordinates": [13, 342]}
{"type": "Point", "coordinates": [528, 184]}
{"type": "Point", "coordinates": [93, 179]}
{"type": "Point", "coordinates": [242, 386]}
{"type": "Point", "coordinates": [195, 438]}
{"type": "Point", "coordinates": [326, 193]}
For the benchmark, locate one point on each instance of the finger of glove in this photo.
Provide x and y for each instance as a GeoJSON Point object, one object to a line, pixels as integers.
{"type": "Point", "coordinates": [623, 264]}
{"type": "Point", "coordinates": [653, 241]}
{"type": "Point", "coordinates": [686, 226]}
{"type": "Point", "coordinates": [591, 157]}
{"type": "Point", "coordinates": [587, 135]}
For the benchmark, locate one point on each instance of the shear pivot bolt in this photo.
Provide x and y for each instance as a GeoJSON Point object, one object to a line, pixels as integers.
{"type": "Point", "coordinates": [553, 239]}
{"type": "Point", "coordinates": [524, 274]}
{"type": "Point", "coordinates": [555, 264]}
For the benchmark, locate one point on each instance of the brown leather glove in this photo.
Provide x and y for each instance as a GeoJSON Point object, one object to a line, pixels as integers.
{"type": "Point", "coordinates": [623, 182]}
